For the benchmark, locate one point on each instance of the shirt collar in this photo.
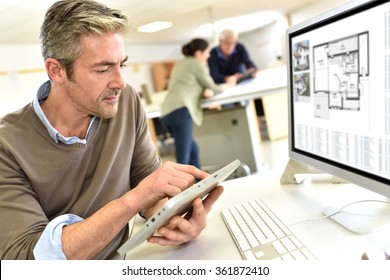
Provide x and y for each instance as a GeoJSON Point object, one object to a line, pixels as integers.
{"type": "Point", "coordinates": [43, 93]}
{"type": "Point", "coordinates": [220, 55]}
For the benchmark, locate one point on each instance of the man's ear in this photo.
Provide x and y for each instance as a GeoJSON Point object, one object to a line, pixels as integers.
{"type": "Point", "coordinates": [55, 70]}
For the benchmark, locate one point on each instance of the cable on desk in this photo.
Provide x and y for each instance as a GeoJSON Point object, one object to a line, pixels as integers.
{"type": "Point", "coordinates": [340, 210]}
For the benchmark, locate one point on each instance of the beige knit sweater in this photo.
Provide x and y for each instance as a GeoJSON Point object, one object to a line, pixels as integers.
{"type": "Point", "coordinates": [40, 180]}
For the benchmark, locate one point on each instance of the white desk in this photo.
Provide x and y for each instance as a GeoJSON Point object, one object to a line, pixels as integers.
{"type": "Point", "coordinates": [291, 203]}
{"type": "Point", "coordinates": [234, 133]}
{"type": "Point", "coordinates": [267, 82]}
{"type": "Point", "coordinates": [270, 85]}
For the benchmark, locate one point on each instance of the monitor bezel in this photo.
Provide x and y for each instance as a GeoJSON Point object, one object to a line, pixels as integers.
{"type": "Point", "coordinates": [356, 176]}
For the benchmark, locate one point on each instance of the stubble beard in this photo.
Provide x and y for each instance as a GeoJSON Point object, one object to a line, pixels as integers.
{"type": "Point", "coordinates": [106, 109]}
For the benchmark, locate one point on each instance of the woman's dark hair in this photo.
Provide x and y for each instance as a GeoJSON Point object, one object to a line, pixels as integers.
{"type": "Point", "coordinates": [190, 48]}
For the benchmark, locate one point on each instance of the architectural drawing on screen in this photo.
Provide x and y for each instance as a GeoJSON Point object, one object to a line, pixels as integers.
{"type": "Point", "coordinates": [341, 74]}
{"type": "Point", "coordinates": [301, 66]}
{"type": "Point", "coordinates": [301, 56]}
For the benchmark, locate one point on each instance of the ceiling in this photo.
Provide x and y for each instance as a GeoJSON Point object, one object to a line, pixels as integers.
{"type": "Point", "coordinates": [20, 20]}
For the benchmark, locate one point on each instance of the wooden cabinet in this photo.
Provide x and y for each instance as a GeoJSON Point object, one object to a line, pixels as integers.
{"type": "Point", "coordinates": [161, 74]}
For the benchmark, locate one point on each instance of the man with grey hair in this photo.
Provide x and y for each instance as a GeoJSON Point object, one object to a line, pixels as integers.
{"type": "Point", "coordinates": [229, 62]}
{"type": "Point", "coordinates": [78, 162]}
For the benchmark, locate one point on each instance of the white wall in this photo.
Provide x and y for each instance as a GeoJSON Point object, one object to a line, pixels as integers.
{"type": "Point", "coordinates": [266, 43]}
{"type": "Point", "coordinates": [22, 70]}
{"type": "Point", "coordinates": [16, 88]}
{"type": "Point", "coordinates": [313, 10]}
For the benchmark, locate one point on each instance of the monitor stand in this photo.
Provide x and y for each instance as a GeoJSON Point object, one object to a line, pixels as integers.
{"type": "Point", "coordinates": [363, 217]}
{"type": "Point", "coordinates": [296, 172]}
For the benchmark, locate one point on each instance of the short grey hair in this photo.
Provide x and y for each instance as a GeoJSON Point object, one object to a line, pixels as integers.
{"type": "Point", "coordinates": [67, 20]}
{"type": "Point", "coordinates": [227, 33]}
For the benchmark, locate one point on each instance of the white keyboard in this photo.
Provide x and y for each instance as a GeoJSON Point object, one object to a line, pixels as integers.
{"type": "Point", "coordinates": [260, 235]}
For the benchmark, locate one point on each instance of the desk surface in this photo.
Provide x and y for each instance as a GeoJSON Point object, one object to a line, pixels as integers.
{"type": "Point", "coordinates": [292, 204]}
{"type": "Point", "coordinates": [266, 82]}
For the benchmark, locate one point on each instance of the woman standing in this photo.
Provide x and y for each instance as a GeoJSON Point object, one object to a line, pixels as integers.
{"type": "Point", "coordinates": [189, 82]}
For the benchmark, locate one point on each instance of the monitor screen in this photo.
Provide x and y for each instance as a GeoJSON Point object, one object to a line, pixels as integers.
{"type": "Point", "coordinates": [339, 93]}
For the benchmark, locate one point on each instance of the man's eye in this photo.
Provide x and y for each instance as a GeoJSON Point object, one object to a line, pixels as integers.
{"type": "Point", "coordinates": [102, 70]}
{"type": "Point", "coordinates": [123, 65]}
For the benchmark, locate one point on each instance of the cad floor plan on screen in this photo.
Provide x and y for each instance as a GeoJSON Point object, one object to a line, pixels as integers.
{"type": "Point", "coordinates": [341, 90]}
{"type": "Point", "coordinates": [341, 71]}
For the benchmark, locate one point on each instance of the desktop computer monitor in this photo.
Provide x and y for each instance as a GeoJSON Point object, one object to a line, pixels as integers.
{"type": "Point", "coordinates": [339, 93]}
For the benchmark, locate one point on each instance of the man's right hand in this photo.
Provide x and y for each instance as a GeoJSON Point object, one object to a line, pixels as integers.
{"type": "Point", "coordinates": [167, 181]}
{"type": "Point", "coordinates": [231, 80]}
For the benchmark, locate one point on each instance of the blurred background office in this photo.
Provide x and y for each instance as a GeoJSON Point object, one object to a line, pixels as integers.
{"type": "Point", "coordinates": [261, 26]}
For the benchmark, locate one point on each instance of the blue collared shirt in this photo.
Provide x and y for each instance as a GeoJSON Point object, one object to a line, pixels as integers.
{"type": "Point", "coordinates": [42, 95]}
{"type": "Point", "coordinates": [221, 56]}
{"type": "Point", "coordinates": [221, 66]}
{"type": "Point", "coordinates": [49, 245]}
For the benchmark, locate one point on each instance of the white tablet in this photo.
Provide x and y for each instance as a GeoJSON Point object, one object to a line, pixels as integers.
{"type": "Point", "coordinates": [178, 205]}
